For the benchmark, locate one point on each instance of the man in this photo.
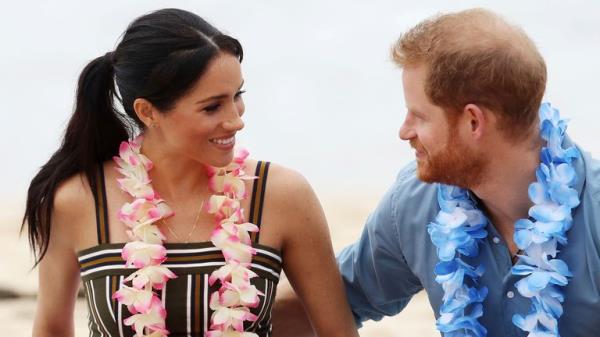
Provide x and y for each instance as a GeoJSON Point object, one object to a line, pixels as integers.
{"type": "Point", "coordinates": [473, 85]}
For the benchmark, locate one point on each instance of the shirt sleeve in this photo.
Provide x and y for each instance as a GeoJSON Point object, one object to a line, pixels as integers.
{"type": "Point", "coordinates": [377, 279]}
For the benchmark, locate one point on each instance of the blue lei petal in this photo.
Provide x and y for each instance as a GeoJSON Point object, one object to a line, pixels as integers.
{"type": "Point", "coordinates": [459, 227]}
{"type": "Point", "coordinates": [554, 197]}
{"type": "Point", "coordinates": [456, 232]}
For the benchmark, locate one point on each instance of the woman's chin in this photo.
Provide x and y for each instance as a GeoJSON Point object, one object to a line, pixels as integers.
{"type": "Point", "coordinates": [220, 161]}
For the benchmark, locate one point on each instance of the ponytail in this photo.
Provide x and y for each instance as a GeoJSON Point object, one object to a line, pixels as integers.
{"type": "Point", "coordinates": [92, 136]}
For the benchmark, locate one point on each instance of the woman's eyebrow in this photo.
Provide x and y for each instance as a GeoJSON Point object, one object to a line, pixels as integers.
{"type": "Point", "coordinates": [216, 96]}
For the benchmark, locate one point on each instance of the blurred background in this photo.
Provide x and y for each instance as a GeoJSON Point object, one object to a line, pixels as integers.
{"type": "Point", "coordinates": [322, 97]}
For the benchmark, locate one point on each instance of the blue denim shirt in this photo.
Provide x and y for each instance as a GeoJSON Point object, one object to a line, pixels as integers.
{"type": "Point", "coordinates": [394, 259]}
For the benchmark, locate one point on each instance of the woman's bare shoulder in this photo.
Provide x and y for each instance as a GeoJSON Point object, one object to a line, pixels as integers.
{"type": "Point", "coordinates": [73, 205]}
{"type": "Point", "coordinates": [71, 193]}
{"type": "Point", "coordinates": [290, 197]}
{"type": "Point", "coordinates": [286, 185]}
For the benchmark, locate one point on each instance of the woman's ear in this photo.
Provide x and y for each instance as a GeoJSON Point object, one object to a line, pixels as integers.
{"type": "Point", "coordinates": [145, 111]}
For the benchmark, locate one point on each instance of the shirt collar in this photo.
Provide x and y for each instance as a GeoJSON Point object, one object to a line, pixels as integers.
{"type": "Point", "coordinates": [578, 165]}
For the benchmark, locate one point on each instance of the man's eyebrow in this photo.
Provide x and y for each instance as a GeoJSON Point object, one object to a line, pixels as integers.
{"type": "Point", "coordinates": [414, 112]}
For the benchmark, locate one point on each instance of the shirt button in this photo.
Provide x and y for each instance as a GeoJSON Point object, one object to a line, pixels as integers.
{"type": "Point", "coordinates": [510, 294]}
{"type": "Point", "coordinates": [496, 239]}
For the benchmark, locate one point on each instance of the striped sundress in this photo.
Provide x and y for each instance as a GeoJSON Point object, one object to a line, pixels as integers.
{"type": "Point", "coordinates": [186, 298]}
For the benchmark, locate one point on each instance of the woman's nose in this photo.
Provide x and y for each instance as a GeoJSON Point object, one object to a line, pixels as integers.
{"type": "Point", "coordinates": [235, 123]}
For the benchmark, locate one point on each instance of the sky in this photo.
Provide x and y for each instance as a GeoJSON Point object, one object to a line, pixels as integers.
{"type": "Point", "coordinates": [323, 96]}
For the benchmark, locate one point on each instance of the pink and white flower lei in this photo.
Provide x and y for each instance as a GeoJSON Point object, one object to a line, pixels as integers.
{"type": "Point", "coordinates": [146, 252]}
{"type": "Point", "coordinates": [232, 302]}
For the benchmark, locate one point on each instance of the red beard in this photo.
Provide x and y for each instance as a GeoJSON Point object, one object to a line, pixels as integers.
{"type": "Point", "coordinates": [456, 165]}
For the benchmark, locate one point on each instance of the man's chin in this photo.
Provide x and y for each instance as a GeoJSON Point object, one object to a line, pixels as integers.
{"type": "Point", "coordinates": [425, 175]}
{"type": "Point", "coordinates": [441, 177]}
{"type": "Point", "coordinates": [427, 179]}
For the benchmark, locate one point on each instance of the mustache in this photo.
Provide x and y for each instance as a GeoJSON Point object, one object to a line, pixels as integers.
{"type": "Point", "coordinates": [416, 145]}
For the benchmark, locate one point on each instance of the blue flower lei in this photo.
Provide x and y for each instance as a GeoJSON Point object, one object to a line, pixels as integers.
{"type": "Point", "coordinates": [459, 227]}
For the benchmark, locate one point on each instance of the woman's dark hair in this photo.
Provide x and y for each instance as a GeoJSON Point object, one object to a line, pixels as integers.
{"type": "Point", "coordinates": [160, 57]}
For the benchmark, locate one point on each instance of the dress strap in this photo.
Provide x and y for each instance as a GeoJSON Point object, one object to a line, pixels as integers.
{"type": "Point", "coordinates": [258, 196]}
{"type": "Point", "coordinates": [101, 209]}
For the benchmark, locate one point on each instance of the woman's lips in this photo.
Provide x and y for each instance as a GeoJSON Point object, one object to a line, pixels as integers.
{"type": "Point", "coordinates": [225, 143]}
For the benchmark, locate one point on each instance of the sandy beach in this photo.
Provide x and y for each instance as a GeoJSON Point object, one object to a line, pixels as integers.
{"type": "Point", "coordinates": [346, 217]}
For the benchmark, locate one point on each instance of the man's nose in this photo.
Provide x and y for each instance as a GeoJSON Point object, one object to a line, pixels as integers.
{"type": "Point", "coordinates": [406, 132]}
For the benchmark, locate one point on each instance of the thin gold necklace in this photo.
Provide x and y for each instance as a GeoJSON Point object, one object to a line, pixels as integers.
{"type": "Point", "coordinates": [193, 227]}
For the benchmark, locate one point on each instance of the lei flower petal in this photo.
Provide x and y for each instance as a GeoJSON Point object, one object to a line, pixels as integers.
{"type": "Point", "coordinates": [152, 276]}
{"type": "Point", "coordinates": [141, 254]}
{"type": "Point", "coordinates": [153, 319]}
{"type": "Point", "coordinates": [136, 300]}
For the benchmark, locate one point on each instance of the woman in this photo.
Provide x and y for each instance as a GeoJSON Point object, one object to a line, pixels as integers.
{"type": "Point", "coordinates": [159, 235]}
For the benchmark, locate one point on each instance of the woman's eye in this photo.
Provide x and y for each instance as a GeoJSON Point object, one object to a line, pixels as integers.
{"type": "Point", "coordinates": [212, 108]}
{"type": "Point", "coordinates": [239, 94]}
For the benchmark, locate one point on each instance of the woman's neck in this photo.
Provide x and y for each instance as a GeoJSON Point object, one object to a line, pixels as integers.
{"type": "Point", "coordinates": [174, 176]}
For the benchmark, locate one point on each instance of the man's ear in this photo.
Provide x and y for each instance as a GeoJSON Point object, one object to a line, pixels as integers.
{"type": "Point", "coordinates": [478, 119]}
